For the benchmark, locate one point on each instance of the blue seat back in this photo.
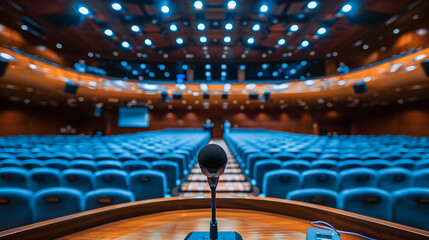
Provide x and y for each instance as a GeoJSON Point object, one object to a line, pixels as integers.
{"type": "Point", "coordinates": [262, 167]}
{"type": "Point", "coordinates": [134, 165]}
{"type": "Point", "coordinates": [325, 164]}
{"type": "Point", "coordinates": [411, 207]}
{"type": "Point", "coordinates": [83, 164]}
{"type": "Point", "coordinates": [391, 179]}
{"type": "Point", "coordinates": [297, 165]}
{"type": "Point", "coordinates": [358, 177]}
{"type": "Point", "coordinates": [348, 164]}
{"type": "Point", "coordinates": [13, 177]}
{"type": "Point", "coordinates": [56, 202]}
{"type": "Point", "coordinates": [170, 169]}
{"type": "Point", "coordinates": [32, 163]}
{"type": "Point", "coordinates": [106, 197]}
{"type": "Point", "coordinates": [377, 164]}
{"type": "Point", "coordinates": [320, 178]}
{"type": "Point", "coordinates": [317, 196]}
{"type": "Point", "coordinates": [108, 164]}
{"type": "Point", "coordinates": [148, 184]}
{"type": "Point", "coordinates": [15, 207]}
{"type": "Point", "coordinates": [252, 159]}
{"type": "Point", "coordinates": [367, 201]}
{"type": "Point", "coordinates": [79, 179]}
{"type": "Point", "coordinates": [59, 164]}
{"type": "Point", "coordinates": [278, 183]}
{"type": "Point", "coordinates": [421, 178]}
{"type": "Point", "coordinates": [179, 159]}
{"type": "Point", "coordinates": [111, 178]}
{"type": "Point", "coordinates": [40, 178]}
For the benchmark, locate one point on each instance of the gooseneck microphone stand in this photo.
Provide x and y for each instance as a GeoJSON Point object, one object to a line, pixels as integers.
{"type": "Point", "coordinates": [213, 222]}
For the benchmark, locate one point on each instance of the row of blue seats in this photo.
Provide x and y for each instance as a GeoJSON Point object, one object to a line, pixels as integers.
{"type": "Point", "coordinates": [128, 166]}
{"type": "Point", "coordinates": [407, 206]}
{"type": "Point", "coordinates": [20, 207]}
{"type": "Point", "coordinates": [277, 183]}
{"type": "Point", "coordinates": [153, 181]}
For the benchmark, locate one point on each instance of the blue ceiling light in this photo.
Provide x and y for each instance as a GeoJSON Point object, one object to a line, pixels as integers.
{"type": "Point", "coordinates": [201, 26]}
{"type": "Point", "coordinates": [346, 8]}
{"type": "Point", "coordinates": [281, 42]}
{"type": "Point", "coordinates": [305, 43]}
{"type": "Point", "coordinates": [135, 28]}
{"type": "Point", "coordinates": [256, 27]}
{"type": "Point", "coordinates": [173, 27]}
{"type": "Point", "coordinates": [263, 8]}
{"type": "Point", "coordinates": [148, 42]}
{"type": "Point", "coordinates": [125, 44]}
{"type": "Point", "coordinates": [312, 5]}
{"type": "Point", "coordinates": [231, 5]}
{"type": "Point", "coordinates": [229, 26]}
{"type": "Point", "coordinates": [83, 10]}
{"type": "Point", "coordinates": [108, 32]}
{"type": "Point", "coordinates": [227, 39]}
{"type": "Point", "coordinates": [185, 67]}
{"type": "Point", "coordinates": [251, 40]}
{"type": "Point", "coordinates": [198, 5]}
{"type": "Point", "coordinates": [165, 9]}
{"type": "Point", "coordinates": [321, 31]}
{"type": "Point", "coordinates": [242, 67]}
{"type": "Point", "coordinates": [116, 6]}
{"type": "Point", "coordinates": [179, 40]}
{"type": "Point", "coordinates": [223, 66]}
{"type": "Point", "coordinates": [208, 66]}
{"type": "Point", "coordinates": [294, 28]}
{"type": "Point", "coordinates": [203, 39]}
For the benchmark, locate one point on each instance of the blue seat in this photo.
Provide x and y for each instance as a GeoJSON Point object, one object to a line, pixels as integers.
{"type": "Point", "coordinates": [410, 207]}
{"type": "Point", "coordinates": [148, 184]}
{"type": "Point", "coordinates": [284, 156]}
{"type": "Point", "coordinates": [391, 179]}
{"type": "Point", "coordinates": [392, 156]}
{"type": "Point", "coordinates": [32, 163]}
{"type": "Point", "coordinates": [161, 151]}
{"type": "Point", "coordinates": [127, 157]}
{"type": "Point", "coordinates": [421, 178]}
{"type": "Point", "coordinates": [134, 165]}
{"type": "Point", "coordinates": [79, 179]}
{"type": "Point", "coordinates": [358, 177]}
{"type": "Point", "coordinates": [348, 164]}
{"type": "Point", "coordinates": [319, 178]}
{"type": "Point", "coordinates": [83, 164]}
{"type": "Point", "coordinates": [180, 160]}
{"type": "Point", "coordinates": [106, 197]}
{"type": "Point", "coordinates": [370, 156]}
{"type": "Point", "coordinates": [325, 164]}
{"type": "Point", "coordinates": [350, 156]}
{"type": "Point", "coordinates": [13, 177]}
{"type": "Point", "coordinates": [149, 157]}
{"type": "Point", "coordinates": [4, 156]}
{"type": "Point", "coordinates": [330, 156]}
{"type": "Point", "coordinates": [11, 163]}
{"type": "Point", "coordinates": [15, 207]}
{"type": "Point", "coordinates": [413, 156]}
{"type": "Point", "coordinates": [298, 165]}
{"type": "Point", "coordinates": [262, 167]}
{"type": "Point", "coordinates": [43, 156]}
{"type": "Point", "coordinates": [367, 201]}
{"type": "Point", "coordinates": [422, 164]}
{"type": "Point", "coordinates": [62, 155]}
{"type": "Point", "coordinates": [24, 156]}
{"type": "Point", "coordinates": [59, 164]}
{"type": "Point", "coordinates": [40, 178]}
{"type": "Point", "coordinates": [110, 178]}
{"type": "Point", "coordinates": [56, 202]}
{"type": "Point", "coordinates": [108, 164]}
{"type": "Point", "coordinates": [252, 159]}
{"type": "Point", "coordinates": [105, 156]}
{"type": "Point", "coordinates": [83, 156]}
{"type": "Point", "coordinates": [171, 171]}
{"type": "Point", "coordinates": [317, 196]}
{"type": "Point", "coordinates": [377, 164]}
{"type": "Point", "coordinates": [278, 183]}
{"type": "Point", "coordinates": [307, 156]}
{"type": "Point", "coordinates": [404, 163]}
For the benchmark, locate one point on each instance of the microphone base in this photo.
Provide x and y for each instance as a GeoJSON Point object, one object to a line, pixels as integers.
{"type": "Point", "coordinates": [221, 236]}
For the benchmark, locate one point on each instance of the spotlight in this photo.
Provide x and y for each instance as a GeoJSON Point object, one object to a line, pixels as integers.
{"type": "Point", "coordinates": [148, 42]}
{"type": "Point", "coordinates": [116, 6]}
{"type": "Point", "coordinates": [312, 5]}
{"type": "Point", "coordinates": [179, 40]}
{"type": "Point", "coordinates": [173, 27]}
{"type": "Point", "coordinates": [229, 26]}
{"type": "Point", "coordinates": [231, 5]}
{"type": "Point", "coordinates": [83, 10]}
{"type": "Point", "coordinates": [263, 8]}
{"type": "Point", "coordinates": [227, 39]}
{"type": "Point", "coordinates": [198, 5]}
{"type": "Point", "coordinates": [251, 40]}
{"type": "Point", "coordinates": [321, 31]}
{"type": "Point", "coordinates": [108, 32]}
{"type": "Point", "coordinates": [346, 8]}
{"type": "Point", "coordinates": [165, 9]}
{"type": "Point", "coordinates": [304, 43]}
{"type": "Point", "coordinates": [135, 28]}
{"type": "Point", "coordinates": [203, 39]}
{"type": "Point", "coordinates": [294, 28]}
{"type": "Point", "coordinates": [125, 44]}
{"type": "Point", "coordinates": [256, 27]}
{"type": "Point", "coordinates": [281, 42]}
{"type": "Point", "coordinates": [201, 26]}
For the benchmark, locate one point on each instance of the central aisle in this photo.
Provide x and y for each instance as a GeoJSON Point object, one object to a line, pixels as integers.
{"type": "Point", "coordinates": [232, 183]}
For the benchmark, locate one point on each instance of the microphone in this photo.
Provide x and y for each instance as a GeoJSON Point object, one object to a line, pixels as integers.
{"type": "Point", "coordinates": [212, 160]}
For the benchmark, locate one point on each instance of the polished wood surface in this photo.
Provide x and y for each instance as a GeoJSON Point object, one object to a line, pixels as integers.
{"type": "Point", "coordinates": [263, 217]}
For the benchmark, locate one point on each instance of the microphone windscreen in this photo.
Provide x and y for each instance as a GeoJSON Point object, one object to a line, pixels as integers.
{"type": "Point", "coordinates": [212, 156]}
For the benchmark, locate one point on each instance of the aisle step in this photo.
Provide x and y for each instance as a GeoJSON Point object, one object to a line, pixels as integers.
{"type": "Point", "coordinates": [222, 187]}
{"type": "Point", "coordinates": [223, 178]}
{"type": "Point", "coordinates": [227, 171]}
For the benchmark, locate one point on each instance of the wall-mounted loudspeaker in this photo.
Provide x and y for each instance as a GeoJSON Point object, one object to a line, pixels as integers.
{"type": "Point", "coordinates": [3, 66]}
{"type": "Point", "coordinates": [425, 66]}
{"type": "Point", "coordinates": [360, 88]}
{"type": "Point", "coordinates": [70, 88]}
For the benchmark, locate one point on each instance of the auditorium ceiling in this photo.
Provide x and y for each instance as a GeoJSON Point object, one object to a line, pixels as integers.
{"type": "Point", "coordinates": [59, 25]}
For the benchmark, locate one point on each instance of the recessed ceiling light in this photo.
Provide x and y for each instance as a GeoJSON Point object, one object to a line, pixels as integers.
{"type": "Point", "coordinates": [256, 27]}
{"type": "Point", "coordinates": [231, 5]}
{"type": "Point", "coordinates": [116, 6]}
